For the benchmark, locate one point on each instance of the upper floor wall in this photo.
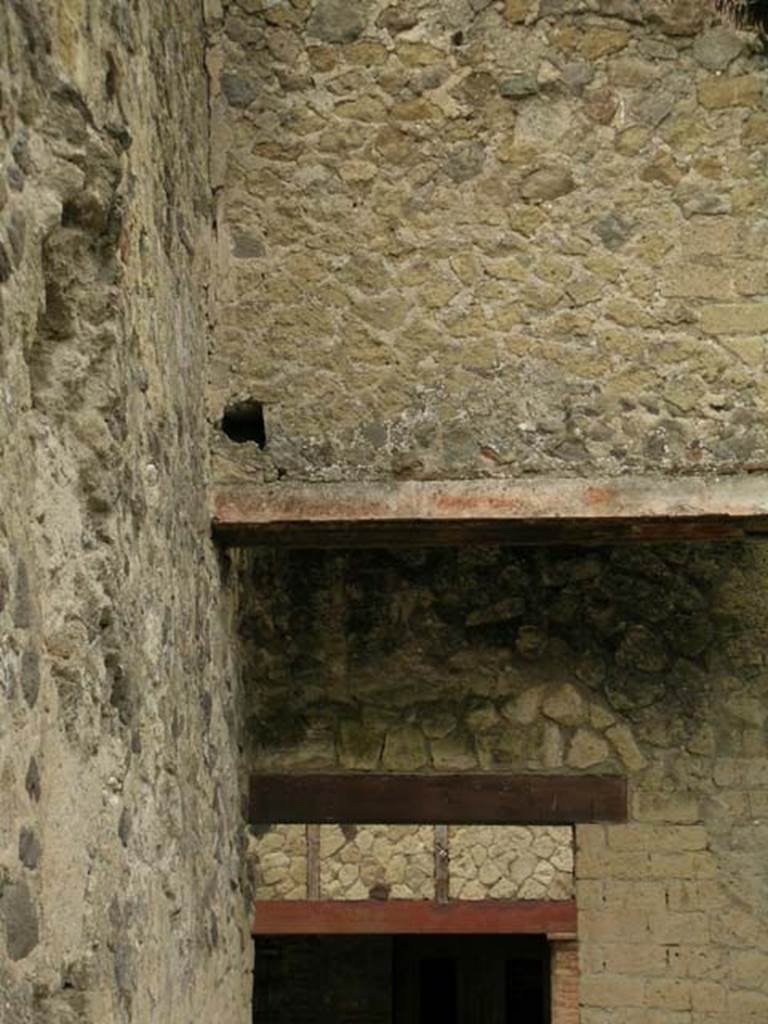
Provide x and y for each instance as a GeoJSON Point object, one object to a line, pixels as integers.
{"type": "Point", "coordinates": [491, 239]}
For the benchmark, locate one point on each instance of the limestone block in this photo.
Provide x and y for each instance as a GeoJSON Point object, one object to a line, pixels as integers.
{"type": "Point", "coordinates": [565, 705]}
{"type": "Point", "coordinates": [587, 749]}
{"type": "Point", "coordinates": [743, 91]}
{"type": "Point", "coordinates": [735, 318]}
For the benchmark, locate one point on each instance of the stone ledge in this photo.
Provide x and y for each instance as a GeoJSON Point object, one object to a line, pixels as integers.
{"type": "Point", "coordinates": [517, 512]}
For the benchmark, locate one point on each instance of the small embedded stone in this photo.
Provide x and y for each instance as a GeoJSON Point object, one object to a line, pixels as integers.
{"type": "Point", "coordinates": [242, 31]}
{"type": "Point", "coordinates": [501, 611]}
{"type": "Point", "coordinates": [247, 246]}
{"type": "Point", "coordinates": [359, 745]}
{"type": "Point", "coordinates": [15, 177]}
{"type": "Point", "coordinates": [6, 267]}
{"type": "Point", "coordinates": [547, 184]}
{"type": "Point", "coordinates": [552, 746]}
{"type": "Point", "coordinates": [23, 612]}
{"type": "Point", "coordinates": [29, 848]}
{"type": "Point", "coordinates": [465, 162]}
{"type": "Point", "coordinates": [437, 722]}
{"type": "Point", "coordinates": [453, 752]}
{"type": "Point", "coordinates": [642, 650]}
{"type": "Point", "coordinates": [337, 21]}
{"type": "Point", "coordinates": [530, 642]}
{"type": "Point", "coordinates": [32, 780]}
{"type": "Point", "coordinates": [125, 825]}
{"type": "Point", "coordinates": [238, 91]}
{"type": "Point", "coordinates": [599, 42]}
{"type": "Point", "coordinates": [30, 676]}
{"type": "Point", "coordinates": [416, 55]}
{"type": "Point", "coordinates": [552, 8]}
{"type": "Point", "coordinates": [523, 709]}
{"type": "Point", "coordinates": [577, 74]}
{"type": "Point", "coordinates": [626, 747]}
{"type": "Point", "coordinates": [516, 11]}
{"type": "Point", "coordinates": [565, 705]}
{"type": "Point", "coordinates": [681, 18]}
{"type": "Point", "coordinates": [613, 230]}
{"type": "Point", "coordinates": [662, 169]}
{"type": "Point", "coordinates": [482, 717]}
{"type": "Point", "coordinates": [587, 749]}
{"type": "Point", "coordinates": [518, 86]}
{"type": "Point", "coordinates": [397, 19]}
{"type": "Point", "coordinates": [22, 932]}
{"type": "Point", "coordinates": [17, 233]}
{"type": "Point", "coordinates": [743, 91]}
{"type": "Point", "coordinates": [735, 318]}
{"type": "Point", "coordinates": [601, 105]}
{"type": "Point", "coordinates": [405, 749]}
{"type": "Point", "coordinates": [716, 49]}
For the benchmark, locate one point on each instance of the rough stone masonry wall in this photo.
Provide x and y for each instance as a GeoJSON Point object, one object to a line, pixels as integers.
{"type": "Point", "coordinates": [477, 238]}
{"type": "Point", "coordinates": [360, 862]}
{"type": "Point", "coordinates": [646, 662]}
{"type": "Point", "coordinates": [119, 808]}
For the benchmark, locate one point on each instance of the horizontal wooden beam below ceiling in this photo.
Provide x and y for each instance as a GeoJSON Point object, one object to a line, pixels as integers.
{"type": "Point", "coordinates": [516, 512]}
{"type": "Point", "coordinates": [397, 799]}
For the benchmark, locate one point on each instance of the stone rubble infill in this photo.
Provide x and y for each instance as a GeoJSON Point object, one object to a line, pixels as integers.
{"type": "Point", "coordinates": [359, 862]}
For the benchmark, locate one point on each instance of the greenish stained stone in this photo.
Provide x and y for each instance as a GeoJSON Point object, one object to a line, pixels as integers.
{"type": "Point", "coordinates": [482, 717]}
{"type": "Point", "coordinates": [359, 745]}
{"type": "Point", "coordinates": [405, 749]}
{"type": "Point", "coordinates": [454, 752]}
{"type": "Point", "coordinates": [437, 722]}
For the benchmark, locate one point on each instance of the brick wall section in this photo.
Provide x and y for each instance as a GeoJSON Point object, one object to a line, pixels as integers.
{"type": "Point", "coordinates": [564, 981]}
{"type": "Point", "coordinates": [672, 906]}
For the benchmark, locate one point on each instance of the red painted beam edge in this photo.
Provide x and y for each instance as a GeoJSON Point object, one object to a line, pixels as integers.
{"type": "Point", "coordinates": [414, 917]}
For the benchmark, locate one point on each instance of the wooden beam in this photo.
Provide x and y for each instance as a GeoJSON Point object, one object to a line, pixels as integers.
{"type": "Point", "coordinates": [413, 917]}
{"type": "Point", "coordinates": [437, 799]}
{"type": "Point", "coordinates": [521, 512]}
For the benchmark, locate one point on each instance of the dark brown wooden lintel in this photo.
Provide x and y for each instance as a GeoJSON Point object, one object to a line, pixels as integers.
{"type": "Point", "coordinates": [487, 799]}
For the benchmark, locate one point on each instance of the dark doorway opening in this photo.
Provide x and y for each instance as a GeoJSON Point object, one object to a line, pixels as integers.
{"type": "Point", "coordinates": [424, 979]}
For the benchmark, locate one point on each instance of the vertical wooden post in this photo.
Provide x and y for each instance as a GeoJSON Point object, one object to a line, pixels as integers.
{"type": "Point", "coordinates": [564, 979]}
{"type": "Point", "coordinates": [442, 893]}
{"type": "Point", "coordinates": [313, 862]}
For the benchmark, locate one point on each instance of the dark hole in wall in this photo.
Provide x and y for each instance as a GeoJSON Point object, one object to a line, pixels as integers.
{"type": "Point", "coordinates": [244, 421]}
{"type": "Point", "coordinates": [395, 979]}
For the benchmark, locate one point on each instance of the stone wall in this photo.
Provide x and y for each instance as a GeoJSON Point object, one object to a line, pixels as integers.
{"type": "Point", "coordinates": [646, 662]}
{"type": "Point", "coordinates": [476, 238]}
{"type": "Point", "coordinates": [361, 862]}
{"type": "Point", "coordinates": [119, 806]}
